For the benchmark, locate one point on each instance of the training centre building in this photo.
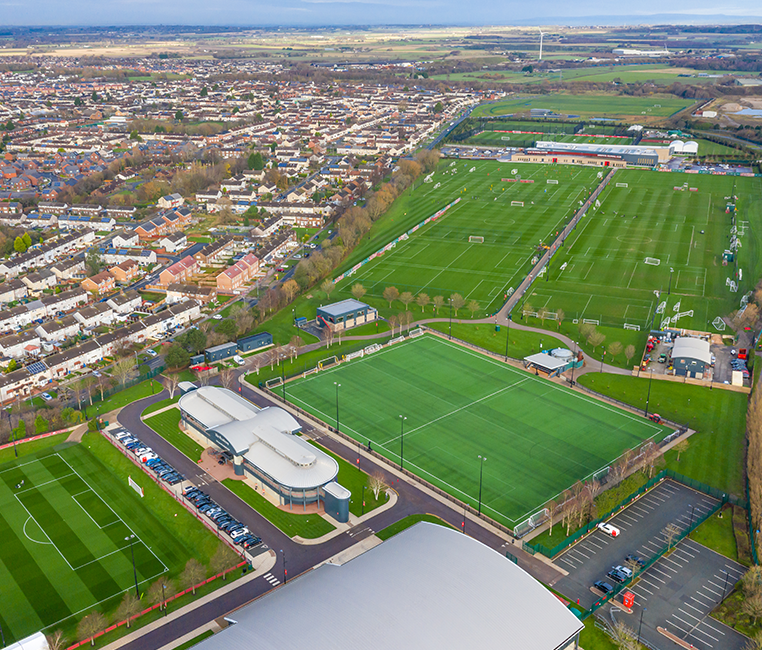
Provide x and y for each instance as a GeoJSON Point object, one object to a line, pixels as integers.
{"type": "Point", "coordinates": [598, 155]}
{"type": "Point", "coordinates": [264, 446]}
{"type": "Point", "coordinates": [345, 314]}
{"type": "Point", "coordinates": [428, 587]}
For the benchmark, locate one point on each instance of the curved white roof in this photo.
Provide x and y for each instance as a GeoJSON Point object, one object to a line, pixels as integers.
{"type": "Point", "coordinates": [213, 406]}
{"type": "Point", "coordinates": [690, 348]}
{"type": "Point", "coordinates": [429, 587]}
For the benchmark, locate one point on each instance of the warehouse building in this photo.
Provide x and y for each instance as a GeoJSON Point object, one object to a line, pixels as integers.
{"type": "Point", "coordinates": [345, 314]}
{"type": "Point", "coordinates": [428, 588]}
{"type": "Point", "coordinates": [691, 357]}
{"type": "Point", "coordinates": [265, 447]}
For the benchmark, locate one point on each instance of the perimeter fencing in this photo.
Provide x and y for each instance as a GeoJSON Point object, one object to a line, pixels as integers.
{"type": "Point", "coordinates": [721, 496]}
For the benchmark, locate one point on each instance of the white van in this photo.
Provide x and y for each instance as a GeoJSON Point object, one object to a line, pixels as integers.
{"type": "Point", "coordinates": [239, 360]}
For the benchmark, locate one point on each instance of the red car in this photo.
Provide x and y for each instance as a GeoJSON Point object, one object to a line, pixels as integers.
{"type": "Point", "coordinates": [743, 353]}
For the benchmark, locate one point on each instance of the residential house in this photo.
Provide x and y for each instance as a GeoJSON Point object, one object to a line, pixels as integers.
{"type": "Point", "coordinates": [55, 331]}
{"type": "Point", "coordinates": [95, 315]}
{"type": "Point", "coordinates": [21, 345]}
{"type": "Point", "coordinates": [181, 292]}
{"type": "Point", "coordinates": [126, 271]}
{"type": "Point", "coordinates": [215, 252]}
{"type": "Point", "coordinates": [125, 303]}
{"type": "Point", "coordinates": [174, 243]}
{"type": "Point", "coordinates": [76, 358]}
{"type": "Point", "coordinates": [180, 271]}
{"type": "Point", "coordinates": [171, 201]}
{"type": "Point", "coordinates": [102, 283]}
{"type": "Point", "coordinates": [69, 269]}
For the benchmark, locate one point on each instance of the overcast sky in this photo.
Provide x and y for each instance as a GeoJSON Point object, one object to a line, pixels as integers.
{"type": "Point", "coordinates": [361, 12]}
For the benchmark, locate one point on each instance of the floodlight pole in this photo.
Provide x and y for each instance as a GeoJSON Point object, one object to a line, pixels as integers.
{"type": "Point", "coordinates": [648, 397]}
{"type": "Point", "coordinates": [640, 627]}
{"type": "Point", "coordinates": [450, 331]}
{"type": "Point", "coordinates": [725, 586]}
{"type": "Point", "coordinates": [691, 524]}
{"type": "Point", "coordinates": [164, 597]}
{"type": "Point", "coordinates": [507, 336]}
{"type": "Point", "coordinates": [10, 430]}
{"type": "Point", "coordinates": [362, 511]}
{"type": "Point", "coordinates": [402, 439]}
{"type": "Point", "coordinates": [602, 357]}
{"type": "Point", "coordinates": [337, 404]}
{"type": "Point", "coordinates": [671, 271]}
{"type": "Point", "coordinates": [574, 361]}
{"type": "Point", "coordinates": [481, 475]}
{"type": "Point", "coordinates": [285, 571]}
{"type": "Point", "coordinates": [131, 538]}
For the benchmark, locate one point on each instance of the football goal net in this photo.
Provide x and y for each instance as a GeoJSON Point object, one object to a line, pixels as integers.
{"type": "Point", "coordinates": [327, 363]}
{"type": "Point", "coordinates": [475, 239]}
{"type": "Point", "coordinates": [372, 348]}
{"type": "Point", "coordinates": [621, 184]}
{"type": "Point", "coordinates": [354, 355]}
{"type": "Point", "coordinates": [274, 382]}
{"type": "Point", "coordinates": [630, 326]}
{"type": "Point", "coordinates": [551, 181]}
{"type": "Point", "coordinates": [518, 204]}
{"type": "Point", "coordinates": [416, 333]}
{"type": "Point", "coordinates": [311, 371]}
{"type": "Point", "coordinates": [653, 261]}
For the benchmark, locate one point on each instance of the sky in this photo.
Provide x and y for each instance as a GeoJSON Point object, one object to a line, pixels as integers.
{"type": "Point", "coordinates": [369, 12]}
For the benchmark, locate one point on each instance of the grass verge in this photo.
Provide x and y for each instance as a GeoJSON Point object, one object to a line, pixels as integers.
{"type": "Point", "coordinates": [408, 521]}
{"type": "Point", "coordinates": [166, 424]}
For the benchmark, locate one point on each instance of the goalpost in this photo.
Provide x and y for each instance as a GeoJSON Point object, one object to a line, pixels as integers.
{"type": "Point", "coordinates": [652, 261]}
{"type": "Point", "coordinates": [518, 204]}
{"type": "Point", "coordinates": [135, 486]}
{"type": "Point", "coordinates": [416, 333]}
{"type": "Point", "coordinates": [274, 382]}
{"type": "Point", "coordinates": [551, 181]}
{"type": "Point", "coordinates": [330, 361]}
{"type": "Point", "coordinates": [475, 239]}
{"type": "Point", "coordinates": [621, 184]}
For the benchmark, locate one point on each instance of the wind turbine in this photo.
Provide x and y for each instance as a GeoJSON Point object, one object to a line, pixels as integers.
{"type": "Point", "coordinates": [541, 35]}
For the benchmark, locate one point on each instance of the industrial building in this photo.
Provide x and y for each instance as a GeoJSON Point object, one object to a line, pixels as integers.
{"type": "Point", "coordinates": [691, 357]}
{"type": "Point", "coordinates": [264, 446]}
{"type": "Point", "coordinates": [345, 314]}
{"type": "Point", "coordinates": [428, 588]}
{"type": "Point", "coordinates": [602, 155]}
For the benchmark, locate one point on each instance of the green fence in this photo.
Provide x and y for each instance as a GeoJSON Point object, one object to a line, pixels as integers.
{"type": "Point", "coordinates": [664, 474]}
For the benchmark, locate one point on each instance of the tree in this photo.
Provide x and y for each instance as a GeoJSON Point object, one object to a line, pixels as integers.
{"type": "Point", "coordinates": [553, 508]}
{"type": "Point", "coordinates": [227, 378]}
{"type": "Point", "coordinates": [18, 245]}
{"type": "Point", "coordinates": [160, 591]}
{"type": "Point", "coordinates": [473, 306]}
{"type": "Point", "coordinates": [222, 559]}
{"type": "Point", "coordinates": [26, 239]}
{"type": "Point", "coordinates": [392, 320]}
{"type": "Point", "coordinates": [560, 315]}
{"type": "Point", "coordinates": [629, 353]}
{"type": "Point", "coordinates": [406, 297]}
{"type": "Point", "coordinates": [751, 583]}
{"type": "Point", "coordinates": [458, 302]}
{"type": "Point", "coordinates": [179, 116]}
{"type": "Point", "coordinates": [296, 342]}
{"type": "Point", "coordinates": [176, 357]}
{"type": "Point", "coordinates": [391, 294]}
{"type": "Point", "coordinates": [422, 299]}
{"type": "Point", "coordinates": [585, 330]}
{"type": "Point", "coordinates": [358, 291]}
{"type": "Point", "coordinates": [624, 637]}
{"type": "Point", "coordinates": [93, 261]}
{"type": "Point", "coordinates": [670, 532]}
{"type": "Point", "coordinates": [227, 329]}
{"type": "Point", "coordinates": [681, 447]}
{"type": "Point", "coordinates": [752, 607]}
{"type": "Point", "coordinates": [376, 484]}
{"type": "Point", "coordinates": [128, 608]}
{"type": "Point", "coordinates": [406, 318]}
{"type": "Point", "coordinates": [194, 339]}
{"type": "Point", "coordinates": [56, 640]}
{"type": "Point", "coordinates": [615, 349]}
{"type": "Point", "coordinates": [90, 625]}
{"type": "Point", "coordinates": [327, 287]}
{"type": "Point", "coordinates": [596, 338]}
{"type": "Point", "coordinates": [193, 573]}
{"type": "Point", "coordinates": [438, 108]}
{"type": "Point", "coordinates": [542, 315]}
{"type": "Point", "coordinates": [122, 370]}
{"type": "Point", "coordinates": [438, 302]}
{"type": "Point", "coordinates": [290, 288]}
{"type": "Point", "coordinates": [256, 161]}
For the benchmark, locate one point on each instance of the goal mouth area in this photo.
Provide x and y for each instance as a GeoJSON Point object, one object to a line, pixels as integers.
{"type": "Point", "coordinates": [475, 239]}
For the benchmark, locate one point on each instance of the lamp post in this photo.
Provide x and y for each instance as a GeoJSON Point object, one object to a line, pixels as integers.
{"type": "Point", "coordinates": [691, 524]}
{"type": "Point", "coordinates": [671, 271]}
{"type": "Point", "coordinates": [507, 336]}
{"type": "Point", "coordinates": [402, 439]}
{"type": "Point", "coordinates": [131, 539]}
{"type": "Point", "coordinates": [285, 571]}
{"type": "Point", "coordinates": [481, 476]}
{"type": "Point", "coordinates": [450, 330]}
{"type": "Point", "coordinates": [362, 509]}
{"type": "Point", "coordinates": [725, 587]}
{"type": "Point", "coordinates": [602, 357]}
{"type": "Point", "coordinates": [337, 404]}
{"type": "Point", "coordinates": [164, 597]}
{"type": "Point", "coordinates": [640, 626]}
{"type": "Point", "coordinates": [13, 437]}
{"type": "Point", "coordinates": [648, 397]}
{"type": "Point", "coordinates": [574, 360]}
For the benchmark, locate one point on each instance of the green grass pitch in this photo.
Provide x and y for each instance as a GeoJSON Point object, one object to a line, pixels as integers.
{"type": "Point", "coordinates": [601, 272]}
{"type": "Point", "coordinates": [538, 437]}
{"type": "Point", "coordinates": [439, 259]}
{"type": "Point", "coordinates": [63, 550]}
{"type": "Point", "coordinates": [498, 139]}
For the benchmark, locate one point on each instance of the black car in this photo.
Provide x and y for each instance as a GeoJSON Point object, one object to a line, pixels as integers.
{"type": "Point", "coordinates": [636, 558]}
{"type": "Point", "coordinates": [251, 540]}
{"type": "Point", "coordinates": [616, 576]}
{"type": "Point", "coordinates": [605, 587]}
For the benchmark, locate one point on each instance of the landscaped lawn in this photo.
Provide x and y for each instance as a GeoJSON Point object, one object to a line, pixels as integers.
{"type": "Point", "coordinates": [716, 451]}
{"type": "Point", "coordinates": [717, 533]}
{"type": "Point", "coordinates": [406, 522]}
{"type": "Point", "coordinates": [308, 526]}
{"type": "Point", "coordinates": [126, 396]}
{"type": "Point", "coordinates": [166, 425]}
{"type": "Point", "coordinates": [162, 404]}
{"type": "Point", "coordinates": [25, 448]}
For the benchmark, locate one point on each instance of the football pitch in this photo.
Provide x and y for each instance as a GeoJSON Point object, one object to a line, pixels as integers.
{"type": "Point", "coordinates": [511, 217]}
{"type": "Point", "coordinates": [647, 237]}
{"type": "Point", "coordinates": [65, 526]}
{"type": "Point", "coordinates": [538, 437]}
{"type": "Point", "coordinates": [499, 139]}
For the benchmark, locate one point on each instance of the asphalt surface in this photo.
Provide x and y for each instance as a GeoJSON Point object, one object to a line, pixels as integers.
{"type": "Point", "coordinates": [641, 527]}
{"type": "Point", "coordinates": [678, 592]}
{"type": "Point", "coordinates": [299, 558]}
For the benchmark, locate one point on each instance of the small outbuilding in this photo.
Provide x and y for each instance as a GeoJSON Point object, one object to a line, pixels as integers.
{"type": "Point", "coordinates": [552, 363]}
{"type": "Point", "coordinates": [345, 314]}
{"type": "Point", "coordinates": [691, 357]}
{"type": "Point", "coordinates": [255, 342]}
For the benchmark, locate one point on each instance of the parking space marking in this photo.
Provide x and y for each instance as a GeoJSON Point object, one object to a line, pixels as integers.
{"type": "Point", "coordinates": [682, 550]}
{"type": "Point", "coordinates": [700, 631]}
{"type": "Point", "coordinates": [711, 600]}
{"type": "Point", "coordinates": [671, 561]}
{"type": "Point", "coordinates": [578, 552]}
{"type": "Point", "coordinates": [632, 520]}
{"type": "Point", "coordinates": [716, 593]}
{"type": "Point", "coordinates": [650, 583]}
{"type": "Point", "coordinates": [650, 575]}
{"type": "Point", "coordinates": [573, 566]}
{"type": "Point", "coordinates": [716, 585]}
{"type": "Point", "coordinates": [590, 541]}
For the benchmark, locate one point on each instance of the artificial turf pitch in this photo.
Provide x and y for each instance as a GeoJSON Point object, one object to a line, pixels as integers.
{"type": "Point", "coordinates": [62, 541]}
{"type": "Point", "coordinates": [539, 438]}
{"type": "Point", "coordinates": [439, 259]}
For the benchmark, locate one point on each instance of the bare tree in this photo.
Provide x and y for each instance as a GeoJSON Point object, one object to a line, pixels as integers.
{"type": "Point", "coordinates": [227, 378]}
{"type": "Point", "coordinates": [56, 640]}
{"type": "Point", "coordinates": [405, 319]}
{"type": "Point", "coordinates": [542, 314]}
{"type": "Point", "coordinates": [406, 297]}
{"type": "Point", "coordinates": [171, 381]}
{"type": "Point", "coordinates": [629, 353]}
{"type": "Point", "coordinates": [392, 320]}
{"type": "Point", "coordinates": [553, 508]}
{"type": "Point", "coordinates": [193, 573]}
{"type": "Point", "coordinates": [160, 590]}
{"type": "Point", "coordinates": [296, 342]}
{"type": "Point", "coordinates": [615, 349]}
{"type": "Point", "coordinates": [458, 302]}
{"type": "Point", "coordinates": [422, 299]}
{"type": "Point", "coordinates": [438, 301]}
{"type": "Point", "coordinates": [222, 559]}
{"type": "Point", "coordinates": [624, 637]}
{"type": "Point", "coordinates": [358, 291]}
{"type": "Point", "coordinates": [560, 316]}
{"type": "Point", "coordinates": [596, 338]}
{"type": "Point", "coordinates": [633, 565]}
{"type": "Point", "coordinates": [290, 288]}
{"type": "Point", "coordinates": [376, 484]}
{"type": "Point", "coordinates": [202, 377]}
{"type": "Point", "coordinates": [128, 608]}
{"type": "Point", "coordinates": [670, 532]}
{"type": "Point", "coordinates": [681, 447]}
{"type": "Point", "coordinates": [90, 625]}
{"type": "Point", "coordinates": [124, 369]}
{"type": "Point", "coordinates": [327, 287]}
{"type": "Point", "coordinates": [391, 294]}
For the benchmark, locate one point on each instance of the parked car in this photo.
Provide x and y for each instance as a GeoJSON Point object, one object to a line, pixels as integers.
{"type": "Point", "coordinates": [627, 573]}
{"type": "Point", "coordinates": [609, 529]}
{"type": "Point", "coordinates": [46, 396]}
{"type": "Point", "coordinates": [631, 557]}
{"type": "Point", "coordinates": [217, 317]}
{"type": "Point", "coordinates": [153, 353]}
{"type": "Point", "coordinates": [655, 417]}
{"type": "Point", "coordinates": [238, 359]}
{"type": "Point", "coordinates": [605, 587]}
{"type": "Point", "coordinates": [616, 576]}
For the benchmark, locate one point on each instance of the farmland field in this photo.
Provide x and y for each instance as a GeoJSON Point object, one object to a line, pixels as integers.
{"type": "Point", "coordinates": [538, 437]}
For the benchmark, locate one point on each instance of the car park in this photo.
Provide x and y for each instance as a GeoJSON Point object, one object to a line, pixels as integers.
{"type": "Point", "coordinates": [609, 529]}
{"type": "Point", "coordinates": [616, 576]}
{"type": "Point", "coordinates": [605, 587]}
{"type": "Point", "coordinates": [631, 557]}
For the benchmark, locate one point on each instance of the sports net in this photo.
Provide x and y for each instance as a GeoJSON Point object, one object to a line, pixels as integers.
{"type": "Point", "coordinates": [311, 371]}
{"type": "Point", "coordinates": [326, 363]}
{"type": "Point", "coordinates": [538, 517]}
{"type": "Point", "coordinates": [653, 261]}
{"type": "Point", "coordinates": [591, 321]}
{"type": "Point", "coordinates": [621, 184]}
{"type": "Point", "coordinates": [719, 324]}
{"type": "Point", "coordinates": [275, 381]}
{"type": "Point", "coordinates": [551, 181]}
{"type": "Point", "coordinates": [354, 355]}
{"type": "Point", "coordinates": [416, 333]}
{"type": "Point", "coordinates": [475, 239]}
{"type": "Point", "coordinates": [372, 348]}
{"type": "Point", "coordinates": [398, 339]}
{"type": "Point", "coordinates": [630, 326]}
{"type": "Point", "coordinates": [519, 204]}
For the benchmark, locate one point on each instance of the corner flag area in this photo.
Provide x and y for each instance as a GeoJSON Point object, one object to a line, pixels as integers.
{"type": "Point", "coordinates": [538, 437]}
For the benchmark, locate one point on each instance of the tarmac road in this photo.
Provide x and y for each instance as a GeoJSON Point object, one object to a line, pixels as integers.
{"type": "Point", "coordinates": [299, 558]}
